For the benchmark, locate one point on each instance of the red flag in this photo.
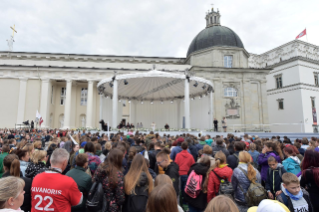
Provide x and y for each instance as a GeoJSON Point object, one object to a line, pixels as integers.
{"type": "Point", "coordinates": [302, 34]}
{"type": "Point", "coordinates": [40, 121]}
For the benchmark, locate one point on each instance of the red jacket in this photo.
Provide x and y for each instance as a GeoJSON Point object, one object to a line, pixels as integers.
{"type": "Point", "coordinates": [184, 160]}
{"type": "Point", "coordinates": [214, 182]}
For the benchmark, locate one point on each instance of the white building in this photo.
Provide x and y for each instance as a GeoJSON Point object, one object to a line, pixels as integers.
{"type": "Point", "coordinates": [63, 87]}
{"type": "Point", "coordinates": [292, 86]}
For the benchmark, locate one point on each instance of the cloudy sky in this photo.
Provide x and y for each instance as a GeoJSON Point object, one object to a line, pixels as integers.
{"type": "Point", "coordinates": [149, 27]}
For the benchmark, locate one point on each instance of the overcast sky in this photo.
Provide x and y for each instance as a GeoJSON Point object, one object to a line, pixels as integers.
{"type": "Point", "coordinates": [150, 28]}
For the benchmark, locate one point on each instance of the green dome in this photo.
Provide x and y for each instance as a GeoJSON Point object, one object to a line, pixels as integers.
{"type": "Point", "coordinates": [214, 36]}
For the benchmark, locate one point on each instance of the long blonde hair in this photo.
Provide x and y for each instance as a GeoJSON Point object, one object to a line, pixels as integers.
{"type": "Point", "coordinates": [245, 157]}
{"type": "Point", "coordinates": [132, 177]}
{"type": "Point", "coordinates": [220, 158]}
{"type": "Point", "coordinates": [10, 187]}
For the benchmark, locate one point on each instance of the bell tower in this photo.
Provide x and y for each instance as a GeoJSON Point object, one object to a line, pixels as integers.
{"type": "Point", "coordinates": [212, 18]}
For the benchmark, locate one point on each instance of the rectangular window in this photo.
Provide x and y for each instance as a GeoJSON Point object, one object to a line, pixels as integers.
{"type": "Point", "coordinates": [84, 96]}
{"type": "Point", "coordinates": [63, 94]}
{"type": "Point", "coordinates": [281, 104]}
{"type": "Point", "coordinates": [215, 19]}
{"type": "Point", "coordinates": [228, 61]}
{"type": "Point", "coordinates": [278, 82]}
{"type": "Point", "coordinates": [52, 94]}
{"type": "Point", "coordinates": [316, 80]}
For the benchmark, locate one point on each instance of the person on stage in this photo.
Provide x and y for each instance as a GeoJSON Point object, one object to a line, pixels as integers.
{"type": "Point", "coordinates": [153, 125]}
{"type": "Point", "coordinates": [215, 125]}
{"type": "Point", "coordinates": [166, 126]}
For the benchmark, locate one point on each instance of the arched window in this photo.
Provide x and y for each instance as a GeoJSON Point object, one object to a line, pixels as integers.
{"type": "Point", "coordinates": [230, 92]}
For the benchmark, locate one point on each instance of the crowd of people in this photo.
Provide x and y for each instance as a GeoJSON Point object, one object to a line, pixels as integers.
{"type": "Point", "coordinates": [51, 170]}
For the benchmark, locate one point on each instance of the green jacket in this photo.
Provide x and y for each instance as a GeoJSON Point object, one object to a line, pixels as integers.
{"type": "Point", "coordinates": [84, 182]}
{"type": "Point", "coordinates": [2, 156]}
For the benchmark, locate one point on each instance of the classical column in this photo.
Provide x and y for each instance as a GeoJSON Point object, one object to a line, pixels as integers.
{"type": "Point", "coordinates": [114, 104]}
{"type": "Point", "coordinates": [89, 105]}
{"type": "Point", "coordinates": [187, 107]}
{"type": "Point", "coordinates": [211, 109]}
{"type": "Point", "coordinates": [101, 107]}
{"type": "Point", "coordinates": [44, 104]}
{"type": "Point", "coordinates": [67, 107]}
{"type": "Point", "coordinates": [22, 96]}
{"type": "Point", "coordinates": [178, 105]}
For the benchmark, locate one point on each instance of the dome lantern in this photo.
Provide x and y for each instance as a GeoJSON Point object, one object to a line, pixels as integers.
{"type": "Point", "coordinates": [212, 18]}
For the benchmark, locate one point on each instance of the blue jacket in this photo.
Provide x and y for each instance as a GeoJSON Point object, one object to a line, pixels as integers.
{"type": "Point", "coordinates": [292, 165]}
{"type": "Point", "coordinates": [254, 155]}
{"type": "Point", "coordinates": [239, 178]}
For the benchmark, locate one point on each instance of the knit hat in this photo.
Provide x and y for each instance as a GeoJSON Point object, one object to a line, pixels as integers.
{"type": "Point", "coordinates": [268, 205]}
{"type": "Point", "coordinates": [83, 144]}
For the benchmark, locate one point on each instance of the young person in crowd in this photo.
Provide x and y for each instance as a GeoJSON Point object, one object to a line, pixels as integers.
{"type": "Point", "coordinates": [111, 175]}
{"type": "Point", "coordinates": [233, 159]}
{"type": "Point", "coordinates": [94, 160]}
{"type": "Point", "coordinates": [162, 198]}
{"type": "Point", "coordinates": [24, 158]}
{"type": "Point", "coordinates": [11, 194]}
{"type": "Point", "coordinates": [293, 196]}
{"type": "Point", "coordinates": [274, 180]}
{"type": "Point", "coordinates": [220, 146]}
{"type": "Point", "coordinates": [254, 153]}
{"type": "Point", "coordinates": [5, 151]}
{"type": "Point", "coordinates": [292, 162]}
{"type": "Point", "coordinates": [82, 179]}
{"type": "Point", "coordinates": [269, 150]}
{"type": "Point", "coordinates": [39, 160]}
{"type": "Point", "coordinates": [184, 160]}
{"type": "Point", "coordinates": [138, 184]}
{"type": "Point", "coordinates": [200, 168]}
{"type": "Point", "coordinates": [310, 176]}
{"type": "Point", "coordinates": [221, 204]}
{"type": "Point", "coordinates": [12, 168]}
{"type": "Point", "coordinates": [240, 181]}
{"type": "Point", "coordinates": [169, 167]}
{"type": "Point", "coordinates": [220, 168]}
{"type": "Point", "coordinates": [305, 143]}
{"type": "Point", "coordinates": [208, 151]}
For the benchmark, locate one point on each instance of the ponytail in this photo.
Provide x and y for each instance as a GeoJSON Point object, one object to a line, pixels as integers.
{"type": "Point", "coordinates": [245, 157]}
{"type": "Point", "coordinates": [220, 158]}
{"type": "Point", "coordinates": [15, 168]}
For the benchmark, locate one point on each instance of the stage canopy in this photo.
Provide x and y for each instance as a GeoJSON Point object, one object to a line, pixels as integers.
{"type": "Point", "coordinates": [155, 85]}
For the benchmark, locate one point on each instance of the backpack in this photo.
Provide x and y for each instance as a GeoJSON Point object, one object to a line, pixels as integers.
{"type": "Point", "coordinates": [136, 202]}
{"type": "Point", "coordinates": [255, 192]}
{"type": "Point", "coordinates": [225, 187]}
{"type": "Point", "coordinates": [96, 200]}
{"type": "Point", "coordinates": [193, 185]}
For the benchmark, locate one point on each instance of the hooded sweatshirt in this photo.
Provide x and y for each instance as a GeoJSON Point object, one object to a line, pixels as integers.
{"type": "Point", "coordinates": [184, 160]}
{"type": "Point", "coordinates": [292, 164]}
{"type": "Point", "coordinates": [200, 202]}
{"type": "Point", "coordinates": [23, 166]}
{"type": "Point", "coordinates": [263, 162]}
{"type": "Point", "coordinates": [274, 179]}
{"type": "Point", "coordinates": [209, 141]}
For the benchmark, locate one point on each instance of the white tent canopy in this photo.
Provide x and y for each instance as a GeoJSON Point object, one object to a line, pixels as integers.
{"type": "Point", "coordinates": [156, 85]}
